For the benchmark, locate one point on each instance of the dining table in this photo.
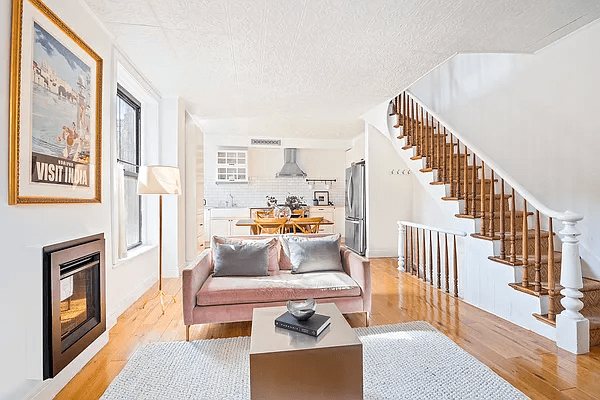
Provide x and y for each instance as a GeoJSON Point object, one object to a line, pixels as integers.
{"type": "Point", "coordinates": [254, 227]}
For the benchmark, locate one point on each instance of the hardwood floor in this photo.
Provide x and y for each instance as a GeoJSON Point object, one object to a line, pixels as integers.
{"type": "Point", "coordinates": [528, 361]}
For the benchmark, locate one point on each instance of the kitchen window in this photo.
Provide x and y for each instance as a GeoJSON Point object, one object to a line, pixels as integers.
{"type": "Point", "coordinates": [129, 112]}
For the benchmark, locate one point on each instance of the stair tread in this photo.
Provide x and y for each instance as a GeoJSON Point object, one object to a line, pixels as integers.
{"type": "Point", "coordinates": [529, 289]}
{"type": "Point", "coordinates": [487, 196]}
{"type": "Point", "coordinates": [496, 213]}
{"type": "Point", "coordinates": [588, 286]}
{"type": "Point", "coordinates": [544, 318]}
{"type": "Point", "coordinates": [518, 235]}
{"type": "Point", "coordinates": [530, 260]}
{"type": "Point", "coordinates": [594, 320]}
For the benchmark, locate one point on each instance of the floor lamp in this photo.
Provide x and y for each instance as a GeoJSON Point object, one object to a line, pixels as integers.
{"type": "Point", "coordinates": [160, 180]}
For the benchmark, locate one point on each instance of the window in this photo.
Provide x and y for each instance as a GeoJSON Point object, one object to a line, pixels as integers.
{"type": "Point", "coordinates": [129, 155]}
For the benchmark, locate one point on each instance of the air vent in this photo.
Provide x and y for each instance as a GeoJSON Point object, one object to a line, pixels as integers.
{"type": "Point", "coordinates": [265, 142]}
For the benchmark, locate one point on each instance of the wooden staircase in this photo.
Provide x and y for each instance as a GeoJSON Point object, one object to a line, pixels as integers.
{"type": "Point", "coordinates": [524, 236]}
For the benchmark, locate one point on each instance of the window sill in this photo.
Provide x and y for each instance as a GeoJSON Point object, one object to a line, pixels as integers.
{"type": "Point", "coordinates": [134, 253]}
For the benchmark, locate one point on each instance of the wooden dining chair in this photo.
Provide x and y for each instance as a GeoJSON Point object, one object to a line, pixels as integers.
{"type": "Point", "coordinates": [306, 225]}
{"type": "Point", "coordinates": [270, 225]}
{"type": "Point", "coordinates": [301, 212]}
{"type": "Point", "coordinates": [265, 214]}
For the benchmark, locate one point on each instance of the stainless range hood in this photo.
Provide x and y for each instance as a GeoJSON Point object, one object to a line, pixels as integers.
{"type": "Point", "coordinates": [290, 168]}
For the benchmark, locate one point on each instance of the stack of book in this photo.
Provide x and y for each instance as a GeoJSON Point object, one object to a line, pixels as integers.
{"type": "Point", "coordinates": [312, 326]}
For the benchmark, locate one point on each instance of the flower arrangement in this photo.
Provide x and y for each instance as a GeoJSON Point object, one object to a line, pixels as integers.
{"type": "Point", "coordinates": [295, 202]}
{"type": "Point", "coordinates": [271, 201]}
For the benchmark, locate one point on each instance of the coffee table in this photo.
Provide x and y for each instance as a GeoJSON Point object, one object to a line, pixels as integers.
{"type": "Point", "coordinates": [291, 365]}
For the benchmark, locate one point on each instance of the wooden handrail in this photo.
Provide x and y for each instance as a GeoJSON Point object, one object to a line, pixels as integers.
{"type": "Point", "coordinates": [430, 228]}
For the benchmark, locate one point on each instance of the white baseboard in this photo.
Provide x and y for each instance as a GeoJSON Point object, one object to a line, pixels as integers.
{"type": "Point", "coordinates": [111, 320]}
{"type": "Point", "coordinates": [382, 253]}
{"type": "Point", "coordinates": [171, 273]}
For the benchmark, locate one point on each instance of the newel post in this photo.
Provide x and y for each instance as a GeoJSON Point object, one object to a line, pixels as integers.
{"type": "Point", "coordinates": [401, 255]}
{"type": "Point", "coordinates": [572, 329]}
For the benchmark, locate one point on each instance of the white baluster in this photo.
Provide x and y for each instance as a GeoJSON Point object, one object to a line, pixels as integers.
{"type": "Point", "coordinates": [572, 328]}
{"type": "Point", "coordinates": [401, 255]}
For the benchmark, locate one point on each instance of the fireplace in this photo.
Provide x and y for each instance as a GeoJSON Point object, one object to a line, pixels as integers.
{"type": "Point", "coordinates": [74, 300]}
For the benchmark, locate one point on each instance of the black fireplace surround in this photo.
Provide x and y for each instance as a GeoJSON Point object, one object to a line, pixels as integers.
{"type": "Point", "coordinates": [74, 309]}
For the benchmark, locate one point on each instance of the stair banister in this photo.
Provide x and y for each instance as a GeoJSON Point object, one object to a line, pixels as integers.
{"type": "Point", "coordinates": [402, 232]}
{"type": "Point", "coordinates": [572, 329]}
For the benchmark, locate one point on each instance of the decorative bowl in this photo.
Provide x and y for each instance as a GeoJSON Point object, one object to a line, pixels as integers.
{"type": "Point", "coordinates": [302, 310]}
{"type": "Point", "coordinates": [282, 212]}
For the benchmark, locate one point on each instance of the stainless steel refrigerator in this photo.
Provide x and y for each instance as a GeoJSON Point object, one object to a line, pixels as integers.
{"type": "Point", "coordinates": [355, 208]}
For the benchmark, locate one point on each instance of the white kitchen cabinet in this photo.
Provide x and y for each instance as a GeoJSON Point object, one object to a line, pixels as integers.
{"type": "Point", "coordinates": [223, 220]}
{"type": "Point", "coordinates": [200, 237]}
{"type": "Point", "coordinates": [239, 230]}
{"type": "Point", "coordinates": [232, 166]}
{"type": "Point", "coordinates": [327, 212]}
{"type": "Point", "coordinates": [220, 227]}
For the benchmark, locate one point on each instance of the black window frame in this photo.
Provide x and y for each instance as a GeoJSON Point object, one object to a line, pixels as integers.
{"type": "Point", "coordinates": [124, 95]}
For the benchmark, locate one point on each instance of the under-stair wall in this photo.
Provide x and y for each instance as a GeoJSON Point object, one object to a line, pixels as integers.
{"type": "Point", "coordinates": [534, 115]}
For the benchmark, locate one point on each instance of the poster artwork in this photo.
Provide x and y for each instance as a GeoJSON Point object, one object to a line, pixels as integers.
{"type": "Point", "coordinates": [61, 96]}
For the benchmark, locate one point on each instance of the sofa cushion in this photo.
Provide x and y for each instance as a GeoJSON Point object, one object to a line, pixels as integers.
{"type": "Point", "coordinates": [284, 256]}
{"type": "Point", "coordinates": [314, 255]}
{"type": "Point", "coordinates": [273, 246]}
{"type": "Point", "coordinates": [248, 259]}
{"type": "Point", "coordinates": [280, 286]}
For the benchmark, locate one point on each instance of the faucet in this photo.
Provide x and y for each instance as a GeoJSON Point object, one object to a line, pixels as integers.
{"type": "Point", "coordinates": [232, 202]}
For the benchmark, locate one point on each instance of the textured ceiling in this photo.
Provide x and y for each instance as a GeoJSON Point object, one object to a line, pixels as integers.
{"type": "Point", "coordinates": [275, 68]}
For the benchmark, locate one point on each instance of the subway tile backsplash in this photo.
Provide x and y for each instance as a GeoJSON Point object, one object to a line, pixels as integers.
{"type": "Point", "coordinates": [254, 193]}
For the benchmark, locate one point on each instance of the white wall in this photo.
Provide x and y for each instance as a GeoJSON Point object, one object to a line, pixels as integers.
{"type": "Point", "coordinates": [26, 229]}
{"type": "Point", "coordinates": [389, 197]}
{"type": "Point", "coordinates": [357, 151]}
{"type": "Point", "coordinates": [172, 145]}
{"type": "Point", "coordinates": [191, 244]}
{"type": "Point", "coordinates": [535, 117]}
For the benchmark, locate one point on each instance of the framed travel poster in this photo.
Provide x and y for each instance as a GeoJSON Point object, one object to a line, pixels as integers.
{"type": "Point", "coordinates": [55, 111]}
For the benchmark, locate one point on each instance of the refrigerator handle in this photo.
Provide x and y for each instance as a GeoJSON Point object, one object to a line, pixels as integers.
{"type": "Point", "coordinates": [349, 193]}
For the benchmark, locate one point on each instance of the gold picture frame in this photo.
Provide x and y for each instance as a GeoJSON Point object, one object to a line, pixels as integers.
{"type": "Point", "coordinates": [55, 142]}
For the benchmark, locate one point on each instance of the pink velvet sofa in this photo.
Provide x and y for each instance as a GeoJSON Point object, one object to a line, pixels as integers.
{"type": "Point", "coordinates": [208, 299]}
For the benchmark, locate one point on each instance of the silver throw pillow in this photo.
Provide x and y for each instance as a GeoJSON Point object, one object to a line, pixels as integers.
{"type": "Point", "coordinates": [314, 255]}
{"type": "Point", "coordinates": [241, 259]}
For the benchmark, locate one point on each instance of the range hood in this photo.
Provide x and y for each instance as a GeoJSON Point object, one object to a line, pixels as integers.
{"type": "Point", "coordinates": [290, 168]}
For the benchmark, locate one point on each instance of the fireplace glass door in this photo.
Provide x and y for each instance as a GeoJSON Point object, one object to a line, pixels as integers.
{"type": "Point", "coordinates": [79, 299]}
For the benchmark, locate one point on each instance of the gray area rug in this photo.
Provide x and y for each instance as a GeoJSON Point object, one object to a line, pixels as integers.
{"type": "Point", "coordinates": [404, 361]}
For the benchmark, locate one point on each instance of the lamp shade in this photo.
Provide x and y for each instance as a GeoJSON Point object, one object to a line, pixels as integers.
{"type": "Point", "coordinates": [159, 179]}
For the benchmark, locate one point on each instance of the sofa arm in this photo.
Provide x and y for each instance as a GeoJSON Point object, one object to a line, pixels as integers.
{"type": "Point", "coordinates": [359, 268]}
{"type": "Point", "coordinates": [193, 277]}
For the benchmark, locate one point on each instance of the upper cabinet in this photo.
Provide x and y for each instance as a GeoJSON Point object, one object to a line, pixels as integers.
{"type": "Point", "coordinates": [232, 166]}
